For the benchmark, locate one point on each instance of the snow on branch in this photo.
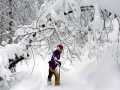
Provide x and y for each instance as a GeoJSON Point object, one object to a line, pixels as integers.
{"type": "Point", "coordinates": [12, 54]}
{"type": "Point", "coordinates": [76, 26]}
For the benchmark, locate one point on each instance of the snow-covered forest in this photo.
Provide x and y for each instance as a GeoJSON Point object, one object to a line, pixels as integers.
{"type": "Point", "coordinates": [89, 30]}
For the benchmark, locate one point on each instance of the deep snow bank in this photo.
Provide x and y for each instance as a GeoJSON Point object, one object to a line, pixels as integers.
{"type": "Point", "coordinates": [86, 75]}
{"type": "Point", "coordinates": [94, 75]}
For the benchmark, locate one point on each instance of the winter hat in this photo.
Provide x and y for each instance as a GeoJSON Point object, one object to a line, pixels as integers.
{"type": "Point", "coordinates": [60, 46]}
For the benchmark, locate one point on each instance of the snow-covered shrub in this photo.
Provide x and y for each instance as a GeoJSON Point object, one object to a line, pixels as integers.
{"type": "Point", "coordinates": [11, 54]}
{"type": "Point", "coordinates": [5, 73]}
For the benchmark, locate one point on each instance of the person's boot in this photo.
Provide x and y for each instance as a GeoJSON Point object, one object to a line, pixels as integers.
{"type": "Point", "coordinates": [57, 83]}
{"type": "Point", "coordinates": [49, 82]}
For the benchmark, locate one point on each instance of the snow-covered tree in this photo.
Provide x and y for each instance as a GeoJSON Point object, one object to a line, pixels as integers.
{"type": "Point", "coordinates": [14, 13]}
{"type": "Point", "coordinates": [13, 54]}
{"type": "Point", "coordinates": [64, 22]}
{"type": "Point", "coordinates": [73, 25]}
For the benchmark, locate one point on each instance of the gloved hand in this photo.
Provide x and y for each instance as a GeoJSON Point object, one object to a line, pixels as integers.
{"type": "Point", "coordinates": [58, 62]}
{"type": "Point", "coordinates": [49, 62]}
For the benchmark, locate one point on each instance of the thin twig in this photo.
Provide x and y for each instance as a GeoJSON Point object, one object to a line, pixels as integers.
{"type": "Point", "coordinates": [34, 62]}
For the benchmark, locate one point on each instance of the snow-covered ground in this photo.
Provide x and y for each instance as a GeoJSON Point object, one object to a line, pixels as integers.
{"type": "Point", "coordinates": [89, 74]}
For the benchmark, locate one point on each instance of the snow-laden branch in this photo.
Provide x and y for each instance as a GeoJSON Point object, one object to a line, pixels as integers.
{"type": "Point", "coordinates": [74, 28]}
{"type": "Point", "coordinates": [12, 54]}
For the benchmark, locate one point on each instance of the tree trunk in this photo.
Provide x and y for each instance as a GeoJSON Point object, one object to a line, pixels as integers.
{"type": "Point", "coordinates": [10, 22]}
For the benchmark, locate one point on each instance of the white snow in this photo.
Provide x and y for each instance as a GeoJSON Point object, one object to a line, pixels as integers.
{"type": "Point", "coordinates": [114, 34]}
{"type": "Point", "coordinates": [86, 75]}
{"type": "Point", "coordinates": [97, 18]}
{"type": "Point", "coordinates": [90, 74]}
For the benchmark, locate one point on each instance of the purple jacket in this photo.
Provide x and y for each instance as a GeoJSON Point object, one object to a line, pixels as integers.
{"type": "Point", "coordinates": [52, 63]}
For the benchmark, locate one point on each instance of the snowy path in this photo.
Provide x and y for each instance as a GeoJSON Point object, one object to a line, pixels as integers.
{"type": "Point", "coordinates": [24, 80]}
{"type": "Point", "coordinates": [23, 85]}
{"type": "Point", "coordinates": [88, 75]}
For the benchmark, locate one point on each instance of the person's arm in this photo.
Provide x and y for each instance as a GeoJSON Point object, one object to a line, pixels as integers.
{"type": "Point", "coordinates": [58, 62]}
{"type": "Point", "coordinates": [56, 57]}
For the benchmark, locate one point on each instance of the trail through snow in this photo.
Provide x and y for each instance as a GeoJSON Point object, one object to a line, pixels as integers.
{"type": "Point", "coordinates": [86, 75]}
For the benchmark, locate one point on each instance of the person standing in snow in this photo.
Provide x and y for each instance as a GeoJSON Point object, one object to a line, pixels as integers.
{"type": "Point", "coordinates": [53, 63]}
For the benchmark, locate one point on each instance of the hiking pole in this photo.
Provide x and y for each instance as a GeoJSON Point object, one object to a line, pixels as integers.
{"type": "Point", "coordinates": [59, 75]}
